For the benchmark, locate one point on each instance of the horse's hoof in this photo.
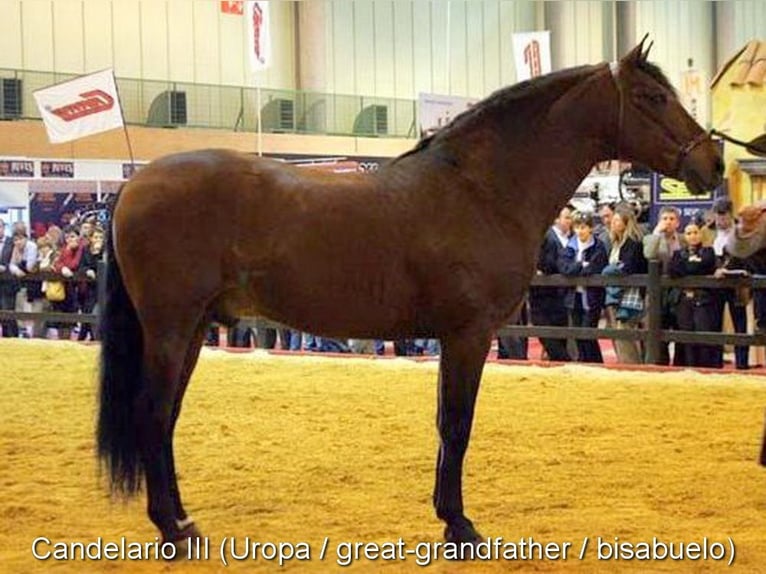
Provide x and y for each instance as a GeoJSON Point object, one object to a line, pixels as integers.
{"type": "Point", "coordinates": [462, 531]}
{"type": "Point", "coordinates": [182, 539]}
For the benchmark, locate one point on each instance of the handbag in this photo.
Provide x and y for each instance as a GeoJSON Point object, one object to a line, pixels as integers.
{"type": "Point", "coordinates": [54, 291]}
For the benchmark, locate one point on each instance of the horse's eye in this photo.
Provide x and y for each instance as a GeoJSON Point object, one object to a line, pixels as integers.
{"type": "Point", "coordinates": [658, 98]}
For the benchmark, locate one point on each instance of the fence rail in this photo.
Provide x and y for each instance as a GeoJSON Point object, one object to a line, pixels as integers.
{"type": "Point", "coordinates": [651, 334]}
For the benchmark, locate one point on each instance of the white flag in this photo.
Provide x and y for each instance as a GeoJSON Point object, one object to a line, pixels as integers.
{"type": "Point", "coordinates": [531, 54]}
{"type": "Point", "coordinates": [81, 107]}
{"type": "Point", "coordinates": [258, 35]}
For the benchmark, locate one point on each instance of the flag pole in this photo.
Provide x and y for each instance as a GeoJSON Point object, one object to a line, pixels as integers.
{"type": "Point", "coordinates": [259, 136]}
{"type": "Point", "coordinates": [124, 125]}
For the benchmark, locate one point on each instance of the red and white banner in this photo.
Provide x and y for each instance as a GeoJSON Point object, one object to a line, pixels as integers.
{"type": "Point", "coordinates": [233, 7]}
{"type": "Point", "coordinates": [258, 35]}
{"type": "Point", "coordinates": [532, 54]}
{"type": "Point", "coordinates": [81, 107]}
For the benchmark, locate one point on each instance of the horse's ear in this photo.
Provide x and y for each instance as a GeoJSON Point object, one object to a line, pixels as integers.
{"type": "Point", "coordinates": [637, 53]}
{"type": "Point", "coordinates": [645, 55]}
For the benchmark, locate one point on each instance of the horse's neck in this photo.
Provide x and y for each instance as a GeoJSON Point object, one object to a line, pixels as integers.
{"type": "Point", "coordinates": [521, 155]}
{"type": "Point", "coordinates": [568, 136]}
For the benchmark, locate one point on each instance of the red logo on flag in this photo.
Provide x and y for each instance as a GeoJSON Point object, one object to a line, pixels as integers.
{"type": "Point", "coordinates": [96, 101]}
{"type": "Point", "coordinates": [233, 7]}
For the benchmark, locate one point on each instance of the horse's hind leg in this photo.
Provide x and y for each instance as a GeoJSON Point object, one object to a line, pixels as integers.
{"type": "Point", "coordinates": [183, 521]}
{"type": "Point", "coordinates": [460, 368]}
{"type": "Point", "coordinates": [169, 358]}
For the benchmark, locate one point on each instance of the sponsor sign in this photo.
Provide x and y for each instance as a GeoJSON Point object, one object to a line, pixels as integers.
{"type": "Point", "coordinates": [17, 168]}
{"type": "Point", "coordinates": [57, 169]}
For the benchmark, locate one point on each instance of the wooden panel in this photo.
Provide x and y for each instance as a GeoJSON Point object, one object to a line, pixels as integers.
{"type": "Point", "coordinates": [28, 139]}
{"type": "Point", "coordinates": [206, 30]}
{"type": "Point", "coordinates": [404, 73]}
{"type": "Point", "coordinates": [508, 14]}
{"type": "Point", "coordinates": [156, 37]}
{"type": "Point", "coordinates": [363, 53]}
{"type": "Point", "coordinates": [282, 73]}
{"type": "Point", "coordinates": [127, 39]}
{"type": "Point", "coordinates": [177, 37]}
{"type": "Point", "coordinates": [384, 63]}
{"type": "Point", "coordinates": [491, 58]}
{"type": "Point", "coordinates": [68, 34]}
{"type": "Point", "coordinates": [343, 80]}
{"type": "Point", "coordinates": [474, 40]}
{"type": "Point", "coordinates": [439, 50]}
{"type": "Point", "coordinates": [457, 50]}
{"type": "Point", "coordinates": [234, 67]}
{"type": "Point", "coordinates": [10, 34]}
{"type": "Point", "coordinates": [750, 19]}
{"type": "Point", "coordinates": [422, 66]}
{"type": "Point", "coordinates": [37, 36]}
{"type": "Point", "coordinates": [97, 34]}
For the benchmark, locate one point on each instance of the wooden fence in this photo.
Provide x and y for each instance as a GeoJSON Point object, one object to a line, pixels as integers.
{"type": "Point", "coordinates": [652, 333]}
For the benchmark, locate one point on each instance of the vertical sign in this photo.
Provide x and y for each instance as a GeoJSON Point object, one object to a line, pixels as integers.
{"type": "Point", "coordinates": [532, 54]}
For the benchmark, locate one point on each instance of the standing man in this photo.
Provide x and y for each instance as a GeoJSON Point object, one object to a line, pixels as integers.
{"type": "Point", "coordinates": [601, 231]}
{"type": "Point", "coordinates": [546, 304]}
{"type": "Point", "coordinates": [661, 244]}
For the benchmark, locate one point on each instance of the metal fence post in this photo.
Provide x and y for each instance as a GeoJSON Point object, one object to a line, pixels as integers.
{"type": "Point", "coordinates": [654, 315]}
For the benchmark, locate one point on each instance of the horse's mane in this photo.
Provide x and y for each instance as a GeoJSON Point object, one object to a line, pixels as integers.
{"type": "Point", "coordinates": [528, 90]}
{"type": "Point", "coordinates": [655, 72]}
{"type": "Point", "coordinates": [516, 94]}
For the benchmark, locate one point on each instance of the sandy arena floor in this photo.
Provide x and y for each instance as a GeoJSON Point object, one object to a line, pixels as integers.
{"type": "Point", "coordinates": [295, 449]}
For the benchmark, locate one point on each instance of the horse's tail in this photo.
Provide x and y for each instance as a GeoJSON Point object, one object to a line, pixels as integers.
{"type": "Point", "coordinates": [121, 380]}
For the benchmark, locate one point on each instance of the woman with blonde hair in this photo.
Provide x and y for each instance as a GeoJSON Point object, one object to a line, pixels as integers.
{"type": "Point", "coordinates": [625, 305]}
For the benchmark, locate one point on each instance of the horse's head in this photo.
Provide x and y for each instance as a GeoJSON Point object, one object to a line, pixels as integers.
{"type": "Point", "coordinates": [655, 129]}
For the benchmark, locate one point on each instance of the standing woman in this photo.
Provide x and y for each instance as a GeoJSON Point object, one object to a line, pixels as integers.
{"type": "Point", "coordinates": [625, 305]}
{"type": "Point", "coordinates": [88, 290]}
{"type": "Point", "coordinates": [67, 264]}
{"type": "Point", "coordinates": [697, 308]}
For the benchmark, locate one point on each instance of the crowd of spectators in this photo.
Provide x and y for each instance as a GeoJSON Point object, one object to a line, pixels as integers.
{"type": "Point", "coordinates": [73, 253]}
{"type": "Point", "coordinates": [579, 245]}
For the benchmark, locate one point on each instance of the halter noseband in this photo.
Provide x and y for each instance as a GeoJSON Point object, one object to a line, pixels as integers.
{"type": "Point", "coordinates": [686, 149]}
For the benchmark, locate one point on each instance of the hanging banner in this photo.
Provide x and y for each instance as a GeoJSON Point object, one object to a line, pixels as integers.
{"type": "Point", "coordinates": [693, 93]}
{"type": "Point", "coordinates": [16, 168]}
{"type": "Point", "coordinates": [436, 111]}
{"type": "Point", "coordinates": [57, 169]}
{"type": "Point", "coordinates": [258, 35]}
{"type": "Point", "coordinates": [128, 169]}
{"type": "Point", "coordinates": [81, 107]}
{"type": "Point", "coordinates": [531, 54]}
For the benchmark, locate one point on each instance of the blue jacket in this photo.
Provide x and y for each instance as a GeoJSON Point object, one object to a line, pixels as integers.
{"type": "Point", "coordinates": [596, 258]}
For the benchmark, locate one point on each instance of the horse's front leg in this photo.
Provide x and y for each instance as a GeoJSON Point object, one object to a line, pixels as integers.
{"type": "Point", "coordinates": [460, 368]}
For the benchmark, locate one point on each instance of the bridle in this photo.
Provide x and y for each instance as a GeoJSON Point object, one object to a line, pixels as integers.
{"type": "Point", "coordinates": [683, 152]}
{"type": "Point", "coordinates": [687, 149]}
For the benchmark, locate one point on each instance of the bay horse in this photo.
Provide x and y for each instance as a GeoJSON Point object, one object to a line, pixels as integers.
{"type": "Point", "coordinates": [441, 242]}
